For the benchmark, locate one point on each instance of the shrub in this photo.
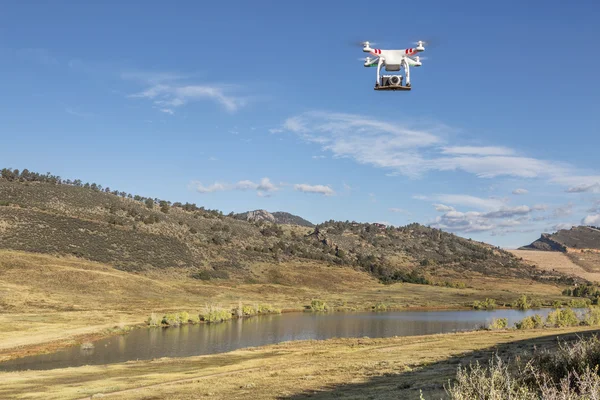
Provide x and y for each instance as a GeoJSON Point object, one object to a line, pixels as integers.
{"type": "Point", "coordinates": [194, 319]}
{"type": "Point", "coordinates": [556, 304]}
{"type": "Point", "coordinates": [213, 314]}
{"type": "Point", "coordinates": [184, 317]}
{"type": "Point", "coordinates": [249, 310]}
{"type": "Point", "coordinates": [171, 319]}
{"type": "Point", "coordinates": [153, 320]}
{"type": "Point", "coordinates": [319, 306]}
{"type": "Point", "coordinates": [532, 322]}
{"type": "Point", "coordinates": [579, 303]}
{"type": "Point", "coordinates": [522, 303]}
{"type": "Point", "coordinates": [562, 317]}
{"type": "Point", "coordinates": [498, 323]}
{"type": "Point", "coordinates": [592, 316]}
{"type": "Point", "coordinates": [487, 304]}
{"type": "Point", "coordinates": [380, 307]}
{"type": "Point", "coordinates": [569, 372]}
{"type": "Point", "coordinates": [268, 309]}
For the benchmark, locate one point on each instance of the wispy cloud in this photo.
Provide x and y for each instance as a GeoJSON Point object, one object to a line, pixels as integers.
{"type": "Point", "coordinates": [399, 210]}
{"type": "Point", "coordinates": [77, 113]}
{"type": "Point", "coordinates": [589, 187]}
{"type": "Point", "coordinates": [463, 200]}
{"type": "Point", "coordinates": [415, 150]}
{"type": "Point", "coordinates": [168, 91]}
{"type": "Point", "coordinates": [317, 189]}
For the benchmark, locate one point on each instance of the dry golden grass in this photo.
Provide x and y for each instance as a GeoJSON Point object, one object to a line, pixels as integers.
{"type": "Point", "coordinates": [557, 261]}
{"type": "Point", "coordinates": [393, 368]}
{"type": "Point", "coordinates": [52, 301]}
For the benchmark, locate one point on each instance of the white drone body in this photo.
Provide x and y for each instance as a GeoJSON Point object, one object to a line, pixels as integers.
{"type": "Point", "coordinates": [393, 60]}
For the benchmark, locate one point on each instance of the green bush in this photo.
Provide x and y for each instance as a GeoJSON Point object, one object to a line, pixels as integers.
{"type": "Point", "coordinates": [268, 309]}
{"type": "Point", "coordinates": [579, 303]}
{"type": "Point", "coordinates": [557, 304]}
{"type": "Point", "coordinates": [171, 319]}
{"type": "Point", "coordinates": [319, 306]}
{"type": "Point", "coordinates": [184, 317]}
{"type": "Point", "coordinates": [194, 319]}
{"type": "Point", "coordinates": [487, 304]}
{"type": "Point", "coordinates": [562, 317]}
{"type": "Point", "coordinates": [592, 316]}
{"type": "Point", "coordinates": [522, 303]}
{"type": "Point", "coordinates": [498, 323]}
{"type": "Point", "coordinates": [380, 307]}
{"type": "Point", "coordinates": [213, 314]}
{"type": "Point", "coordinates": [532, 322]}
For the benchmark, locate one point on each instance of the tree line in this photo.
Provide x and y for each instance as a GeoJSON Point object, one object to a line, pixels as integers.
{"type": "Point", "coordinates": [14, 175]}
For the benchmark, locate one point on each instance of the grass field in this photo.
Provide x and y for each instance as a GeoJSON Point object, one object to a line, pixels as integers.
{"type": "Point", "coordinates": [392, 368]}
{"type": "Point", "coordinates": [47, 302]}
{"type": "Point", "coordinates": [584, 265]}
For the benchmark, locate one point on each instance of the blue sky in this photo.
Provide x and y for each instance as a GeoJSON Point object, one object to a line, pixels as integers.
{"type": "Point", "coordinates": [247, 105]}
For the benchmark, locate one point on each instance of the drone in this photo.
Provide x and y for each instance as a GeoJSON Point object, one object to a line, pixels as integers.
{"type": "Point", "coordinates": [393, 60]}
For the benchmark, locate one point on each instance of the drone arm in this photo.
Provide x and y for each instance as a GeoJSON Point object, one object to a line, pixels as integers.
{"type": "Point", "coordinates": [379, 64]}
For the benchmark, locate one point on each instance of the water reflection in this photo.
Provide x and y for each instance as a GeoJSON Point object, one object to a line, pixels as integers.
{"type": "Point", "coordinates": [190, 340]}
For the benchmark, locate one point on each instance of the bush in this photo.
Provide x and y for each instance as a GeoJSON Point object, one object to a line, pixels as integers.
{"type": "Point", "coordinates": [380, 307]}
{"type": "Point", "coordinates": [184, 317]}
{"type": "Point", "coordinates": [154, 320]}
{"type": "Point", "coordinates": [213, 314]}
{"type": "Point", "coordinates": [592, 316]}
{"type": "Point", "coordinates": [562, 318]}
{"type": "Point", "coordinates": [319, 306]}
{"type": "Point", "coordinates": [268, 309]}
{"type": "Point", "coordinates": [579, 303]}
{"type": "Point", "coordinates": [556, 304]}
{"type": "Point", "coordinates": [569, 373]}
{"type": "Point", "coordinates": [498, 323]}
{"type": "Point", "coordinates": [522, 303]}
{"type": "Point", "coordinates": [532, 322]}
{"type": "Point", "coordinates": [487, 304]}
{"type": "Point", "coordinates": [194, 319]}
{"type": "Point", "coordinates": [171, 319]}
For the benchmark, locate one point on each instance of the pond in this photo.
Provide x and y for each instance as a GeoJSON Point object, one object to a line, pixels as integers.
{"type": "Point", "coordinates": [193, 340]}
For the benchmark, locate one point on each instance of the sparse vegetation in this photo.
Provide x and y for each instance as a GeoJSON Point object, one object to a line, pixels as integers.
{"type": "Point", "coordinates": [531, 322]}
{"type": "Point", "coordinates": [570, 372]}
{"type": "Point", "coordinates": [380, 307]}
{"type": "Point", "coordinates": [319, 306]}
{"type": "Point", "coordinates": [498, 323]}
{"type": "Point", "coordinates": [562, 317]}
{"type": "Point", "coordinates": [522, 303]}
{"type": "Point", "coordinates": [487, 304]}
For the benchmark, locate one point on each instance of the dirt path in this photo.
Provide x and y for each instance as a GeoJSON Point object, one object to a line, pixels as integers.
{"type": "Point", "coordinates": [555, 261]}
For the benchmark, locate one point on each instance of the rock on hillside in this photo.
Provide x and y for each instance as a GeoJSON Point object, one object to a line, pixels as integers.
{"type": "Point", "coordinates": [568, 240]}
{"type": "Point", "coordinates": [278, 217]}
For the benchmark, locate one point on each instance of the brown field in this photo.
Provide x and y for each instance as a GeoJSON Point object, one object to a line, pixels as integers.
{"type": "Point", "coordinates": [392, 368]}
{"type": "Point", "coordinates": [561, 262]}
{"type": "Point", "coordinates": [49, 301]}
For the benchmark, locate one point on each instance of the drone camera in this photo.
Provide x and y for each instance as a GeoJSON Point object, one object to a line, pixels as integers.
{"type": "Point", "coordinates": [391, 80]}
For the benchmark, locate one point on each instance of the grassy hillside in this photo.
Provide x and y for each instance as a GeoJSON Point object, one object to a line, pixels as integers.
{"type": "Point", "coordinates": [132, 233]}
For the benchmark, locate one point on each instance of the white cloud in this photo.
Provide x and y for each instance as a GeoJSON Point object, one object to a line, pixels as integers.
{"type": "Point", "coordinates": [263, 188]}
{"type": "Point", "coordinates": [275, 130]}
{"type": "Point", "coordinates": [167, 111]}
{"type": "Point", "coordinates": [563, 211]}
{"type": "Point", "coordinates": [592, 219]}
{"type": "Point", "coordinates": [563, 225]}
{"type": "Point", "coordinates": [318, 189]}
{"type": "Point", "coordinates": [443, 208]}
{"type": "Point", "coordinates": [478, 151]}
{"type": "Point", "coordinates": [455, 221]}
{"type": "Point", "coordinates": [469, 201]}
{"type": "Point", "coordinates": [520, 191]}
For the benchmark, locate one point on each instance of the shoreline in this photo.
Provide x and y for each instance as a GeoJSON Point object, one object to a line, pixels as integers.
{"type": "Point", "coordinates": [35, 349]}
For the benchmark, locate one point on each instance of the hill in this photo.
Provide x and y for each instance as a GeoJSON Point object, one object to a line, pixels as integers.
{"type": "Point", "coordinates": [575, 239]}
{"type": "Point", "coordinates": [279, 217]}
{"type": "Point", "coordinates": [45, 214]}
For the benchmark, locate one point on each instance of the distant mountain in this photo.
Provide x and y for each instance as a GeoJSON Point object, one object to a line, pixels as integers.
{"type": "Point", "coordinates": [278, 217]}
{"type": "Point", "coordinates": [568, 240]}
